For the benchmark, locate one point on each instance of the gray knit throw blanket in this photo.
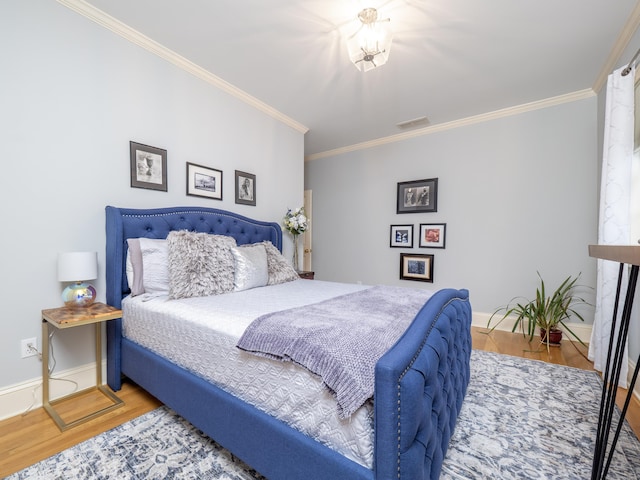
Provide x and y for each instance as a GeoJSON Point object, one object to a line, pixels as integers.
{"type": "Point", "coordinates": [339, 339]}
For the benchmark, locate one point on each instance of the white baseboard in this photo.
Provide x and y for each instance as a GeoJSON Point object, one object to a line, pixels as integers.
{"type": "Point", "coordinates": [583, 331]}
{"type": "Point", "coordinates": [22, 397]}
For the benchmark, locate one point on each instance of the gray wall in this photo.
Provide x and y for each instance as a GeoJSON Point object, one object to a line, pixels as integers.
{"type": "Point", "coordinates": [518, 195]}
{"type": "Point", "coordinates": [73, 95]}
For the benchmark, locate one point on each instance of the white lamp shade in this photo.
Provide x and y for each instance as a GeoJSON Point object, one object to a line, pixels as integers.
{"type": "Point", "coordinates": [77, 266]}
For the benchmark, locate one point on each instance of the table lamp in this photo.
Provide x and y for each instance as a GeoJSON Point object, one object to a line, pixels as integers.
{"type": "Point", "coordinates": [77, 267]}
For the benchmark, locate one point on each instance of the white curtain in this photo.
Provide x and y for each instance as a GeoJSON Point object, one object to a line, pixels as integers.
{"type": "Point", "coordinates": [614, 218]}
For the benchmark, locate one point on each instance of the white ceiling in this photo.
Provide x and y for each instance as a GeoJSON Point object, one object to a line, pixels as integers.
{"type": "Point", "coordinates": [450, 59]}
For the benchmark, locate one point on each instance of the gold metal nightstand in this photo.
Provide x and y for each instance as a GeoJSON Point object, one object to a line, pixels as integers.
{"type": "Point", "coordinates": [62, 318]}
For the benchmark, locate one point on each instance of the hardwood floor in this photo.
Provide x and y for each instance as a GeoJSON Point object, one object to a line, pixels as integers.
{"type": "Point", "coordinates": [27, 439]}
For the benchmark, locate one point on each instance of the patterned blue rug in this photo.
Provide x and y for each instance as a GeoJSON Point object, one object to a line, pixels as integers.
{"type": "Point", "coordinates": [521, 419]}
{"type": "Point", "coordinates": [525, 419]}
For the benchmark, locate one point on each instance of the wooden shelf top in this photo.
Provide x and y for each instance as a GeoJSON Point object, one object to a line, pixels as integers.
{"type": "Point", "coordinates": [618, 253]}
{"type": "Point", "coordinates": [65, 317]}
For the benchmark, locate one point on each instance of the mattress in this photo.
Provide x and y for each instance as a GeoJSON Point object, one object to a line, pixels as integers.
{"type": "Point", "coordinates": [200, 334]}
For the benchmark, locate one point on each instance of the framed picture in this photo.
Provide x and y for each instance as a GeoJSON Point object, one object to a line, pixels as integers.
{"type": "Point", "coordinates": [148, 167]}
{"type": "Point", "coordinates": [416, 266]}
{"type": "Point", "coordinates": [432, 235]}
{"type": "Point", "coordinates": [401, 236]}
{"type": "Point", "coordinates": [204, 181]}
{"type": "Point", "coordinates": [418, 196]}
{"type": "Point", "coordinates": [245, 188]}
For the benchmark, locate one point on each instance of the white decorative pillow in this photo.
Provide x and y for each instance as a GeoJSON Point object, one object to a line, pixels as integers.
{"type": "Point", "coordinates": [280, 271]}
{"type": "Point", "coordinates": [251, 267]}
{"type": "Point", "coordinates": [155, 274]}
{"type": "Point", "coordinates": [129, 266]}
{"type": "Point", "coordinates": [200, 264]}
{"type": "Point", "coordinates": [134, 267]}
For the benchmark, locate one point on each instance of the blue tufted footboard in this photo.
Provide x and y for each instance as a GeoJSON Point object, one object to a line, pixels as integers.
{"type": "Point", "coordinates": [420, 385]}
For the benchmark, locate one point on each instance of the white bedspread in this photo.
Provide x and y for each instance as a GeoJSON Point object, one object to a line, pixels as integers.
{"type": "Point", "coordinates": [200, 334]}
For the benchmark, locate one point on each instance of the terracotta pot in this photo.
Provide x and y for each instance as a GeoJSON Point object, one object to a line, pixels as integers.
{"type": "Point", "coordinates": [555, 336]}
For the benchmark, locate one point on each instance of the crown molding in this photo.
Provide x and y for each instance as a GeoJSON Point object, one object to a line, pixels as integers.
{"type": "Point", "coordinates": [629, 29]}
{"type": "Point", "coordinates": [103, 19]}
{"type": "Point", "coordinates": [128, 33]}
{"type": "Point", "coordinates": [485, 117]}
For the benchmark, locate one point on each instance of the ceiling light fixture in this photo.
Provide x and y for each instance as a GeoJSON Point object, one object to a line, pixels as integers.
{"type": "Point", "coordinates": [369, 46]}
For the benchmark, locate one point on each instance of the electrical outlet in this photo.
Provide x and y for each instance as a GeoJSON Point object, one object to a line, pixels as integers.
{"type": "Point", "coordinates": [28, 347]}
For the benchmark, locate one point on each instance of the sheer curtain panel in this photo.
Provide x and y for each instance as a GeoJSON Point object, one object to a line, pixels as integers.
{"type": "Point", "coordinates": [614, 217]}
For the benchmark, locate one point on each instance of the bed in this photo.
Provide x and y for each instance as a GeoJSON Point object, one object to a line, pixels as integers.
{"type": "Point", "coordinates": [420, 382]}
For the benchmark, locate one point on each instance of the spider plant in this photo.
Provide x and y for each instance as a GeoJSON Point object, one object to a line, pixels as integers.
{"type": "Point", "coordinates": [545, 311]}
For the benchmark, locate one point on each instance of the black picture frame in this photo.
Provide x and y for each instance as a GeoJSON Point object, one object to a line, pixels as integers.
{"type": "Point", "coordinates": [148, 167]}
{"type": "Point", "coordinates": [204, 181]}
{"type": "Point", "coordinates": [401, 236]}
{"type": "Point", "coordinates": [432, 235]}
{"type": "Point", "coordinates": [417, 196]}
{"type": "Point", "coordinates": [245, 188]}
{"type": "Point", "coordinates": [417, 267]}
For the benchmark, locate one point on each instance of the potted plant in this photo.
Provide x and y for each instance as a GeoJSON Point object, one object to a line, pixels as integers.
{"type": "Point", "coordinates": [546, 311]}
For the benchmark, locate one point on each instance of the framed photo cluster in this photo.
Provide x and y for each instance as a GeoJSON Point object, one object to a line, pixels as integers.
{"type": "Point", "coordinates": [417, 266]}
{"type": "Point", "coordinates": [149, 170]}
{"type": "Point", "coordinates": [431, 235]}
{"type": "Point", "coordinates": [417, 196]}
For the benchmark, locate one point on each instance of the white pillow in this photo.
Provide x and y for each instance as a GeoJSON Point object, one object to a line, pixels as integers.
{"type": "Point", "coordinates": [251, 265]}
{"type": "Point", "coordinates": [129, 267]}
{"type": "Point", "coordinates": [155, 261]}
{"type": "Point", "coordinates": [134, 267]}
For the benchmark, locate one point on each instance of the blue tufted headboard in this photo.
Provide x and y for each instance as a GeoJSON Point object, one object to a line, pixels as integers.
{"type": "Point", "coordinates": [124, 223]}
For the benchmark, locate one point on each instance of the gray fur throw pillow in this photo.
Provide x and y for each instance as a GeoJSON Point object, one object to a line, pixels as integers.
{"type": "Point", "coordinates": [280, 271]}
{"type": "Point", "coordinates": [200, 264]}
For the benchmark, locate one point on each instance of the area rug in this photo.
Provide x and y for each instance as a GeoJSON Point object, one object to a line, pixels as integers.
{"type": "Point", "coordinates": [521, 419]}
{"type": "Point", "coordinates": [526, 419]}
